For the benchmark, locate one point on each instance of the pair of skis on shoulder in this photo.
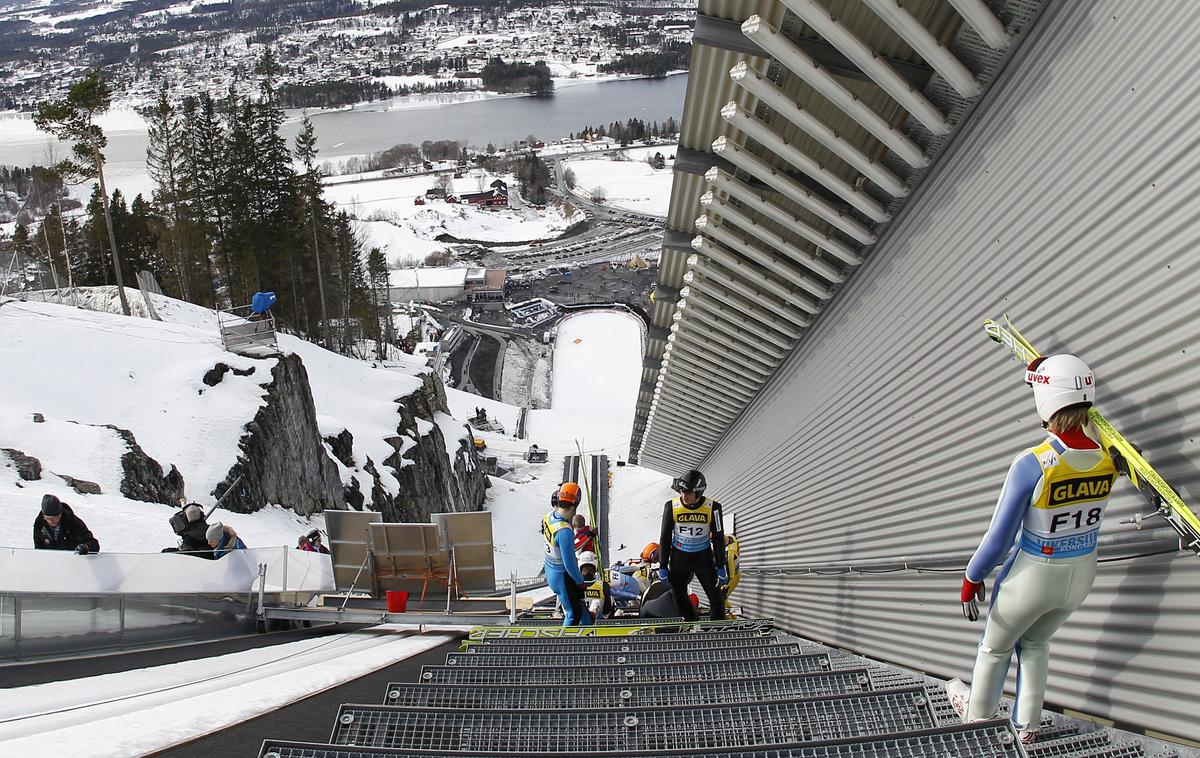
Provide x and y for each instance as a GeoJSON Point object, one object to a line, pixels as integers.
{"type": "Point", "coordinates": [1127, 457]}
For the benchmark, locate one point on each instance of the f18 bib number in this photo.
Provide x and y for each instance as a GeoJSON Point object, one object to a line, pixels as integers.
{"type": "Point", "coordinates": [1063, 522]}
{"type": "Point", "coordinates": [1075, 520]}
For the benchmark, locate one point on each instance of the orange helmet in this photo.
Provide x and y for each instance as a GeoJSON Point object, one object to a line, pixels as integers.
{"type": "Point", "coordinates": [650, 552]}
{"type": "Point", "coordinates": [568, 495]}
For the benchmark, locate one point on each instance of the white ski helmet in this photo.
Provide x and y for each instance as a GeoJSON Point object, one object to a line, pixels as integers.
{"type": "Point", "coordinates": [587, 557]}
{"type": "Point", "coordinates": [1060, 381]}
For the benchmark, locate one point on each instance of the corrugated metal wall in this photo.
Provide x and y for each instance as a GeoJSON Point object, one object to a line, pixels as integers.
{"type": "Point", "coordinates": [1070, 203]}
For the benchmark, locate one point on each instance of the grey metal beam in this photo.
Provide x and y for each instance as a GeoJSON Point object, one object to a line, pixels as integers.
{"type": "Point", "coordinates": [691, 161]}
{"type": "Point", "coordinates": [677, 240]}
{"type": "Point", "coordinates": [723, 34]}
{"type": "Point", "coordinates": [832, 59]}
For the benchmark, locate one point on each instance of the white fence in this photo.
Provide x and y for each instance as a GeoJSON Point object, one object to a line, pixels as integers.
{"type": "Point", "coordinates": [54, 571]}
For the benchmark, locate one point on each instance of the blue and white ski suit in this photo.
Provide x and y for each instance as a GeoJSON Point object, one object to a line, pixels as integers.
{"type": "Point", "coordinates": [562, 569]}
{"type": "Point", "coordinates": [1046, 524]}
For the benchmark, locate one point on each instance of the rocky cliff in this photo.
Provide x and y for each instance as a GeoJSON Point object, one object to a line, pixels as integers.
{"type": "Point", "coordinates": [282, 457]}
{"type": "Point", "coordinates": [284, 460]}
{"type": "Point", "coordinates": [434, 477]}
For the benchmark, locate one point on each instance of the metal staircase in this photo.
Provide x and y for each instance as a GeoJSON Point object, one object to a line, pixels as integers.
{"type": "Point", "coordinates": [677, 689]}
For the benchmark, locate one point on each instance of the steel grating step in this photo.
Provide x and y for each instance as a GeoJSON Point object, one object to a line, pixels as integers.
{"type": "Point", "coordinates": [544, 696]}
{"type": "Point", "coordinates": [632, 672]}
{"type": "Point", "coordinates": [1089, 745]}
{"type": "Point", "coordinates": [641, 641]}
{"type": "Point", "coordinates": [667, 728]}
{"type": "Point", "coordinates": [986, 739]}
{"type": "Point", "coordinates": [621, 657]}
{"type": "Point", "coordinates": [624, 627]}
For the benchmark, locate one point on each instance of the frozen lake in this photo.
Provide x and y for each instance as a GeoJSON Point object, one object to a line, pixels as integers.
{"type": "Point", "coordinates": [371, 127]}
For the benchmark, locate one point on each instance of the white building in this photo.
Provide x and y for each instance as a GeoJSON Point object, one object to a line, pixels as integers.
{"type": "Point", "coordinates": [427, 285]}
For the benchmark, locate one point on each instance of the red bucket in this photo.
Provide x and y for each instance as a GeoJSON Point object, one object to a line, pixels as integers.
{"type": "Point", "coordinates": [397, 601]}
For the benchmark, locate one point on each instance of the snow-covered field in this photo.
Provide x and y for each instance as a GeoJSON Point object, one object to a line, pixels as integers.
{"type": "Point", "coordinates": [629, 184]}
{"type": "Point", "coordinates": [406, 231]}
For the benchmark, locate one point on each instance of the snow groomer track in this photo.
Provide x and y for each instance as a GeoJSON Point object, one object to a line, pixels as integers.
{"type": "Point", "coordinates": [736, 688]}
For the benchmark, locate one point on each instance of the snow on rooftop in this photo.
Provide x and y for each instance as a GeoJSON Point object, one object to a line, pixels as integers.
{"type": "Point", "coordinates": [428, 277]}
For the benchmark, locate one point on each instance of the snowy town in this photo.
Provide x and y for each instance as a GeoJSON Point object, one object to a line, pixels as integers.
{"type": "Point", "coordinates": [371, 49]}
{"type": "Point", "coordinates": [765, 378]}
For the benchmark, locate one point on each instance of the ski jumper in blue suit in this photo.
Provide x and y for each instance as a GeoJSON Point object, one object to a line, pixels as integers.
{"type": "Point", "coordinates": [1044, 530]}
{"type": "Point", "coordinates": [562, 569]}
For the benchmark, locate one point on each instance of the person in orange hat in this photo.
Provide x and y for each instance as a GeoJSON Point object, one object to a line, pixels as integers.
{"type": "Point", "coordinates": [562, 569]}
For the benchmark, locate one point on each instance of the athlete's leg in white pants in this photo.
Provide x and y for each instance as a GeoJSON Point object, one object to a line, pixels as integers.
{"type": "Point", "coordinates": [1028, 607]}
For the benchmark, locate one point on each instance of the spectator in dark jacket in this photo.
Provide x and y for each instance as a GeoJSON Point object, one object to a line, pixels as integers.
{"type": "Point", "coordinates": [58, 528]}
{"type": "Point", "coordinates": [193, 540]}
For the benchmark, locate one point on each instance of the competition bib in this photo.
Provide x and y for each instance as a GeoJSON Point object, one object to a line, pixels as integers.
{"type": "Point", "coordinates": [1065, 519]}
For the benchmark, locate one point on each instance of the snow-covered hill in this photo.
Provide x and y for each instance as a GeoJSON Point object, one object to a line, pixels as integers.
{"type": "Point", "coordinates": [81, 370]}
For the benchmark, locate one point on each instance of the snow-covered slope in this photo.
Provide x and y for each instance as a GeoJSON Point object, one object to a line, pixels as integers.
{"type": "Point", "coordinates": [597, 369]}
{"type": "Point", "coordinates": [78, 367]}
{"type": "Point", "coordinates": [83, 369]}
{"type": "Point", "coordinates": [635, 514]}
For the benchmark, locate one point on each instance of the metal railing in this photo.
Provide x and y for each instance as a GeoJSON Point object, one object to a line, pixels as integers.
{"type": "Point", "coordinates": [247, 333]}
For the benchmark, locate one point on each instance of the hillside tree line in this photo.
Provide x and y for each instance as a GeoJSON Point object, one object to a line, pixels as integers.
{"type": "Point", "coordinates": [633, 130]}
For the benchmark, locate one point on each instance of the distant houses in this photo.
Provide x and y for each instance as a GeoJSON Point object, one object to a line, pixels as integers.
{"type": "Point", "coordinates": [496, 195]}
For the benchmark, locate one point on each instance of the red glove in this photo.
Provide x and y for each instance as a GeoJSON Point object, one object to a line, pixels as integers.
{"type": "Point", "coordinates": [972, 594]}
{"type": "Point", "coordinates": [971, 590]}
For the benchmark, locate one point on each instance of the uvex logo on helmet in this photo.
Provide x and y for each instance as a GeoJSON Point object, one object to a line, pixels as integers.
{"type": "Point", "coordinates": [1060, 381]}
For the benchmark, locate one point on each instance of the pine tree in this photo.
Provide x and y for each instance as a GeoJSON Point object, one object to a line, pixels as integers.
{"type": "Point", "coordinates": [50, 246]}
{"type": "Point", "coordinates": [381, 308]}
{"type": "Point", "coordinates": [241, 198]}
{"type": "Point", "coordinates": [164, 158]}
{"type": "Point", "coordinates": [350, 274]}
{"type": "Point", "coordinates": [276, 175]}
{"type": "Point", "coordinates": [203, 186]}
{"type": "Point", "coordinates": [92, 268]}
{"type": "Point", "coordinates": [144, 230]}
{"type": "Point", "coordinates": [313, 212]}
{"type": "Point", "coordinates": [72, 119]}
